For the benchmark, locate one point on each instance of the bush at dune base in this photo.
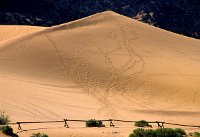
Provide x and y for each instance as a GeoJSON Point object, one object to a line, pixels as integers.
{"type": "Point", "coordinates": [195, 134]}
{"type": "Point", "coordinates": [94, 123]}
{"type": "Point", "coordinates": [7, 130]}
{"type": "Point", "coordinates": [142, 123]}
{"type": "Point", "coordinates": [39, 135]}
{"type": "Point", "coordinates": [166, 132]}
{"type": "Point", "coordinates": [3, 119]}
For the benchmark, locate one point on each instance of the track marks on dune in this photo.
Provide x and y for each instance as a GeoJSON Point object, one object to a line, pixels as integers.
{"type": "Point", "coordinates": [77, 66]}
{"type": "Point", "coordinates": [60, 55]}
{"type": "Point", "coordinates": [33, 110]}
{"type": "Point", "coordinates": [134, 59]}
{"type": "Point", "coordinates": [26, 108]}
{"type": "Point", "coordinates": [119, 79]}
{"type": "Point", "coordinates": [73, 66]}
{"type": "Point", "coordinates": [115, 81]}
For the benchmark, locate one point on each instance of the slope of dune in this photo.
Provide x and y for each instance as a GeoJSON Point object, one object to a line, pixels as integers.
{"type": "Point", "coordinates": [10, 31]}
{"type": "Point", "coordinates": [102, 66]}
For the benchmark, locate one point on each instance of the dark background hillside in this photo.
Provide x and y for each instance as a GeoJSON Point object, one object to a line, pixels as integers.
{"type": "Point", "coordinates": [180, 16]}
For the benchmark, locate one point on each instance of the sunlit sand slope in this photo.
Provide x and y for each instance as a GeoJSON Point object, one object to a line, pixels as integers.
{"type": "Point", "coordinates": [11, 31]}
{"type": "Point", "coordinates": [102, 66]}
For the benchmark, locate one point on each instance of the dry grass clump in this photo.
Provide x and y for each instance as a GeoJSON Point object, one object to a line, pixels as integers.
{"type": "Point", "coordinates": [3, 118]}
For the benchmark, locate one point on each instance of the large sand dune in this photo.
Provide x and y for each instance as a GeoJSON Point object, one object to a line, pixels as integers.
{"type": "Point", "coordinates": [12, 31]}
{"type": "Point", "coordinates": [102, 66]}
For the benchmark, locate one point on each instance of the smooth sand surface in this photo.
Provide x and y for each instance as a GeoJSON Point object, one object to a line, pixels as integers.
{"type": "Point", "coordinates": [103, 66]}
{"type": "Point", "coordinates": [12, 31]}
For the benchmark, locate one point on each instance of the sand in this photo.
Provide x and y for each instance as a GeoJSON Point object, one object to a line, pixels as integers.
{"type": "Point", "coordinates": [2, 135]}
{"type": "Point", "coordinates": [12, 31]}
{"type": "Point", "coordinates": [102, 66]}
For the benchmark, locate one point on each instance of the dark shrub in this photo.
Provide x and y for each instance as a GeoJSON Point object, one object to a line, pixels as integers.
{"type": "Point", "coordinates": [170, 132]}
{"type": "Point", "coordinates": [195, 134]}
{"type": "Point", "coordinates": [150, 133]}
{"type": "Point", "coordinates": [3, 119]}
{"type": "Point", "coordinates": [132, 135]}
{"type": "Point", "coordinates": [138, 133]}
{"type": "Point", "coordinates": [94, 123]}
{"type": "Point", "coordinates": [142, 123]}
{"type": "Point", "coordinates": [39, 135]}
{"type": "Point", "coordinates": [8, 131]}
{"type": "Point", "coordinates": [180, 131]}
{"type": "Point", "coordinates": [167, 132]}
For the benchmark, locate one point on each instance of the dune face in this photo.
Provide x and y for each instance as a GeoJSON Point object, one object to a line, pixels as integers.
{"type": "Point", "coordinates": [102, 66]}
{"type": "Point", "coordinates": [7, 32]}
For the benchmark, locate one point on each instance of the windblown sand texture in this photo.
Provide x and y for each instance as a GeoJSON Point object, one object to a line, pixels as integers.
{"type": "Point", "coordinates": [12, 31]}
{"type": "Point", "coordinates": [103, 66]}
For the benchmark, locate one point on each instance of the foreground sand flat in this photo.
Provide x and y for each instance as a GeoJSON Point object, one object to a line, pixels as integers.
{"type": "Point", "coordinates": [103, 66]}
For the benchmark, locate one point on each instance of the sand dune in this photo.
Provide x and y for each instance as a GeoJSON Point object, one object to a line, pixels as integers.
{"type": "Point", "coordinates": [102, 66]}
{"type": "Point", "coordinates": [11, 31]}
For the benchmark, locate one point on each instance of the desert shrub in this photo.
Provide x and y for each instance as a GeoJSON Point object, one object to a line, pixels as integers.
{"type": "Point", "coordinates": [94, 123]}
{"type": "Point", "coordinates": [137, 133]}
{"type": "Point", "coordinates": [170, 132]}
{"type": "Point", "coordinates": [39, 135]}
{"type": "Point", "coordinates": [195, 134]}
{"type": "Point", "coordinates": [8, 131]}
{"type": "Point", "coordinates": [167, 132]}
{"type": "Point", "coordinates": [150, 133]}
{"type": "Point", "coordinates": [142, 123]}
{"type": "Point", "coordinates": [3, 118]}
{"type": "Point", "coordinates": [180, 131]}
{"type": "Point", "coordinates": [140, 132]}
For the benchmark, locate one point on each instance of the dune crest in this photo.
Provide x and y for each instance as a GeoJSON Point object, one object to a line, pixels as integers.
{"type": "Point", "coordinates": [124, 68]}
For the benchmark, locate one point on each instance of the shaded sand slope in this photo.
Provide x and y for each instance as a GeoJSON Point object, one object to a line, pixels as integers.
{"type": "Point", "coordinates": [10, 31]}
{"type": "Point", "coordinates": [102, 66]}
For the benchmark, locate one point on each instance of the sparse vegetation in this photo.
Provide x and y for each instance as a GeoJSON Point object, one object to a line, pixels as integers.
{"type": "Point", "coordinates": [39, 135]}
{"type": "Point", "coordinates": [180, 131]}
{"type": "Point", "coordinates": [195, 134]}
{"type": "Point", "coordinates": [170, 132]}
{"type": "Point", "coordinates": [3, 118]}
{"type": "Point", "coordinates": [140, 132]}
{"type": "Point", "coordinates": [94, 123]}
{"type": "Point", "coordinates": [166, 132]}
{"type": "Point", "coordinates": [142, 123]}
{"type": "Point", "coordinates": [8, 131]}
